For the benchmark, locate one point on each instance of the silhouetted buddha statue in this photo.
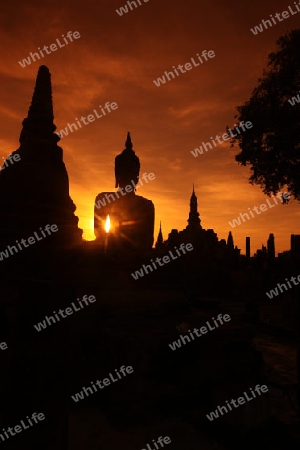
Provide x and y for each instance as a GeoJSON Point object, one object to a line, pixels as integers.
{"type": "Point", "coordinates": [132, 216]}
{"type": "Point", "coordinates": [34, 190]}
{"type": "Point", "coordinates": [127, 166]}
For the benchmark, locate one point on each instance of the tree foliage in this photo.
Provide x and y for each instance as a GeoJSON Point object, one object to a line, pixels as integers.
{"type": "Point", "coordinates": [272, 146]}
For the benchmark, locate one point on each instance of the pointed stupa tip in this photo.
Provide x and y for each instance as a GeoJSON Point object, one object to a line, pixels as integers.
{"type": "Point", "coordinates": [160, 231]}
{"type": "Point", "coordinates": [128, 143]}
{"type": "Point", "coordinates": [39, 121]}
{"type": "Point", "coordinates": [160, 239]}
{"type": "Point", "coordinates": [41, 105]}
{"type": "Point", "coordinates": [230, 239]}
{"type": "Point", "coordinates": [193, 193]}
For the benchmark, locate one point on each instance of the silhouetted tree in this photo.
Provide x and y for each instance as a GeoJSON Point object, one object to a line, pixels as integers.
{"type": "Point", "coordinates": [272, 146]}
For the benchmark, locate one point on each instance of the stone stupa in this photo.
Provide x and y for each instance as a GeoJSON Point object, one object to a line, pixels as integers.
{"type": "Point", "coordinates": [34, 191]}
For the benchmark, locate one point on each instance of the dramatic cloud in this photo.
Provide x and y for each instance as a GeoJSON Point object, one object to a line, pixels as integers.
{"type": "Point", "coordinates": [116, 59]}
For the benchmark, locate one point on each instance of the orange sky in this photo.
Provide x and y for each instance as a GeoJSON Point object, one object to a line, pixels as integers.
{"type": "Point", "coordinates": [116, 59]}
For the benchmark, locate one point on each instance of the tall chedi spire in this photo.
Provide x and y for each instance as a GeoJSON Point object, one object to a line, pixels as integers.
{"type": "Point", "coordinates": [39, 122]}
{"type": "Point", "coordinates": [194, 221]}
{"type": "Point", "coordinates": [34, 191]}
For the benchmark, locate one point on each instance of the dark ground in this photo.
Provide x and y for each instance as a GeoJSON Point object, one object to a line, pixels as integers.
{"type": "Point", "coordinates": [133, 323]}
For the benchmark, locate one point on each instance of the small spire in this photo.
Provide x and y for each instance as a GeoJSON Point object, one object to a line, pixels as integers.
{"type": "Point", "coordinates": [128, 143]}
{"type": "Point", "coordinates": [194, 220]}
{"type": "Point", "coordinates": [159, 243]}
{"type": "Point", "coordinates": [230, 240]}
